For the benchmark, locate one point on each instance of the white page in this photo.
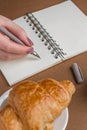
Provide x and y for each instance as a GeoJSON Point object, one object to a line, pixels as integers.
{"type": "Point", "coordinates": [69, 28]}
{"type": "Point", "coordinates": [66, 24]}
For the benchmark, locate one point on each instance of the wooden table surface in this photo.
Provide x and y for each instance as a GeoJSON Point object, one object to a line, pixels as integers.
{"type": "Point", "coordinates": [78, 105]}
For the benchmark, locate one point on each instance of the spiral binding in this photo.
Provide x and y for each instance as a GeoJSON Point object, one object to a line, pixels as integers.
{"type": "Point", "coordinates": [44, 36]}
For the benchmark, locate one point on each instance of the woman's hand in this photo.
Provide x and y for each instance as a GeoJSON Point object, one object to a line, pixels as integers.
{"type": "Point", "coordinates": [10, 49]}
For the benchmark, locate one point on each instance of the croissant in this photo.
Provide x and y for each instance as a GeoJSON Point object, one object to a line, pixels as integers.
{"type": "Point", "coordinates": [9, 120]}
{"type": "Point", "coordinates": [38, 104]}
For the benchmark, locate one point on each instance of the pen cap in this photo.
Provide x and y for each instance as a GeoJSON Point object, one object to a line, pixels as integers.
{"type": "Point", "coordinates": [77, 73]}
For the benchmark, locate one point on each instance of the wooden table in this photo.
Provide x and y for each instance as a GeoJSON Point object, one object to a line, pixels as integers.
{"type": "Point", "coordinates": [78, 105]}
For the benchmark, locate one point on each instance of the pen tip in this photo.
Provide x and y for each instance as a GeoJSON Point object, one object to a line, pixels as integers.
{"type": "Point", "coordinates": [36, 54]}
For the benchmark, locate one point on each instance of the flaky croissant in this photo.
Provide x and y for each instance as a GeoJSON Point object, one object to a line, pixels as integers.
{"type": "Point", "coordinates": [37, 105]}
{"type": "Point", "coordinates": [9, 120]}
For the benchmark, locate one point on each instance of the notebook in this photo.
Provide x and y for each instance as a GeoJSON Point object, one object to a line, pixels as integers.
{"type": "Point", "coordinates": [58, 32]}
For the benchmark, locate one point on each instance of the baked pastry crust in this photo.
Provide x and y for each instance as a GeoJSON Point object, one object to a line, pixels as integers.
{"type": "Point", "coordinates": [39, 104]}
{"type": "Point", "coordinates": [35, 105]}
{"type": "Point", "coordinates": [9, 120]}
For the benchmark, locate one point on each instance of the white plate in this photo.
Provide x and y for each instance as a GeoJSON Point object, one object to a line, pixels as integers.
{"type": "Point", "coordinates": [59, 124]}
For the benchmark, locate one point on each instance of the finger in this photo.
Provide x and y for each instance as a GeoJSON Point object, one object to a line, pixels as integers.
{"type": "Point", "coordinates": [16, 30]}
{"type": "Point", "coordinates": [9, 56]}
{"type": "Point", "coordinates": [9, 46]}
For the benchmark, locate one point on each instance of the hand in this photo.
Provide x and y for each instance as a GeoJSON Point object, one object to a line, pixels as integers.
{"type": "Point", "coordinates": [10, 49]}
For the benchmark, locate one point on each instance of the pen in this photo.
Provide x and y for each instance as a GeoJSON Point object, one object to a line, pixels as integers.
{"type": "Point", "coordinates": [14, 38]}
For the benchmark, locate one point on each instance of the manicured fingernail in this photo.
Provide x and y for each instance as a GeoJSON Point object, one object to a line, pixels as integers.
{"type": "Point", "coordinates": [31, 43]}
{"type": "Point", "coordinates": [31, 50]}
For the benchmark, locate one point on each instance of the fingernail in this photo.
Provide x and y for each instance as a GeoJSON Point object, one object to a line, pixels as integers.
{"type": "Point", "coordinates": [31, 43]}
{"type": "Point", "coordinates": [31, 50]}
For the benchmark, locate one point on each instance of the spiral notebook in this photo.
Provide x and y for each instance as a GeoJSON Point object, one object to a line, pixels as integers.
{"type": "Point", "coordinates": [58, 32]}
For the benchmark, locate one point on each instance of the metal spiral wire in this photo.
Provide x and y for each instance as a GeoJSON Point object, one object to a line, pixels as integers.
{"type": "Point", "coordinates": [45, 36]}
